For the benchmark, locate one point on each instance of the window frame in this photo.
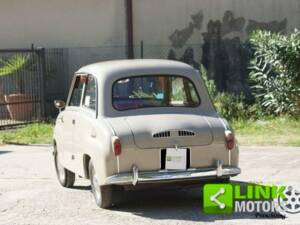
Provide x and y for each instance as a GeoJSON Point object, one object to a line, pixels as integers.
{"type": "Point", "coordinates": [72, 91]}
{"type": "Point", "coordinates": [154, 75]}
{"type": "Point", "coordinates": [83, 95]}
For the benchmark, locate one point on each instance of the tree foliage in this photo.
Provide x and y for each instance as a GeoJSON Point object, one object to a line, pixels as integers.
{"type": "Point", "coordinates": [275, 71]}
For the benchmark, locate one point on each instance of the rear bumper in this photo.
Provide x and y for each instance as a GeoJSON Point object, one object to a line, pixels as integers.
{"type": "Point", "coordinates": [162, 176]}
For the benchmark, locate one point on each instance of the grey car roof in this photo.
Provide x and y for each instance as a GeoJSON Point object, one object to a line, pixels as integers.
{"type": "Point", "coordinates": [103, 70]}
{"type": "Point", "coordinates": [110, 71]}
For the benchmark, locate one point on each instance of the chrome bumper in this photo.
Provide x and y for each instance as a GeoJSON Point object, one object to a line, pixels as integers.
{"type": "Point", "coordinates": [136, 177]}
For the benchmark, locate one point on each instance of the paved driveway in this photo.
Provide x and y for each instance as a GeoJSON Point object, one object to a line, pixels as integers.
{"type": "Point", "coordinates": [30, 193]}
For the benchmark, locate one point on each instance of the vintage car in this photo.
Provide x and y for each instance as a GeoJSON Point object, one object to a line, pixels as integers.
{"type": "Point", "coordinates": [138, 123]}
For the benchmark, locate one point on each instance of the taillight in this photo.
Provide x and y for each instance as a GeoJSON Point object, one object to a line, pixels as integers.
{"type": "Point", "coordinates": [229, 138]}
{"type": "Point", "coordinates": [116, 145]}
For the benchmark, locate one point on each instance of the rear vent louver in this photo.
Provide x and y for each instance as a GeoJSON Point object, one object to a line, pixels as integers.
{"type": "Point", "coordinates": [185, 133]}
{"type": "Point", "coordinates": [178, 133]}
{"type": "Point", "coordinates": [162, 134]}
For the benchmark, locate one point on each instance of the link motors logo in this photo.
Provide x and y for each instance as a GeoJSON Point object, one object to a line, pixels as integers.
{"type": "Point", "coordinates": [291, 202]}
{"type": "Point", "coordinates": [263, 200]}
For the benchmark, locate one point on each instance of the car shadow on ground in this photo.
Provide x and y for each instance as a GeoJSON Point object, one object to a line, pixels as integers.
{"type": "Point", "coordinates": [4, 152]}
{"type": "Point", "coordinates": [173, 204]}
{"type": "Point", "coordinates": [82, 187]}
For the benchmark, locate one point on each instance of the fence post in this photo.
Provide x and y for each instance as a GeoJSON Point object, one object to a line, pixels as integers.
{"type": "Point", "coordinates": [142, 49]}
{"type": "Point", "coordinates": [42, 60]}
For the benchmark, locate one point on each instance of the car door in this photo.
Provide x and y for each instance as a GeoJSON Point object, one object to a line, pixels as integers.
{"type": "Point", "coordinates": [69, 121]}
{"type": "Point", "coordinates": [85, 133]}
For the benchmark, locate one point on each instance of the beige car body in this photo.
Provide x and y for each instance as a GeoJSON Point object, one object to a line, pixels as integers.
{"type": "Point", "coordinates": [82, 134]}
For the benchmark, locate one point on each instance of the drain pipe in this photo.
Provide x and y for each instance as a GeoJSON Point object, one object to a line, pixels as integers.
{"type": "Point", "coordinates": [129, 29]}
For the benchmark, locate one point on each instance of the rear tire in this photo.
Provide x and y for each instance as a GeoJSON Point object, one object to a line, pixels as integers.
{"type": "Point", "coordinates": [224, 180]}
{"type": "Point", "coordinates": [102, 194]}
{"type": "Point", "coordinates": [65, 177]}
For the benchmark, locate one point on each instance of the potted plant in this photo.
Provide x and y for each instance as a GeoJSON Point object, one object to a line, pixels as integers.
{"type": "Point", "coordinates": [19, 104]}
{"type": "Point", "coordinates": [3, 109]}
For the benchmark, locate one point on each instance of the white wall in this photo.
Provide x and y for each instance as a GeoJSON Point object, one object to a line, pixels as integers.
{"type": "Point", "coordinates": [155, 20]}
{"type": "Point", "coordinates": [62, 23]}
{"type": "Point", "coordinates": [168, 27]}
{"type": "Point", "coordinates": [89, 23]}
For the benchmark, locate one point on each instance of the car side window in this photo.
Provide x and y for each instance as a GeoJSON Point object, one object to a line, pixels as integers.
{"type": "Point", "coordinates": [90, 95]}
{"type": "Point", "coordinates": [77, 91]}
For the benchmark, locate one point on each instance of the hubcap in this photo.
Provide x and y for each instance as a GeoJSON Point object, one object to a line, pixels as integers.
{"type": "Point", "coordinates": [96, 187]}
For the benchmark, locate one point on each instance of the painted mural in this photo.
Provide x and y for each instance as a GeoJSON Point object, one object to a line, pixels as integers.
{"type": "Point", "coordinates": [225, 50]}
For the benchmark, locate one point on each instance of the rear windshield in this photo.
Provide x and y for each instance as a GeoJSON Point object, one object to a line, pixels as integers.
{"type": "Point", "coordinates": [154, 91]}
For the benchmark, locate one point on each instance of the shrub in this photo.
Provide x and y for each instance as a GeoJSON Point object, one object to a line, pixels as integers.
{"type": "Point", "coordinates": [229, 106]}
{"type": "Point", "coordinates": [275, 71]}
{"type": "Point", "coordinates": [210, 84]}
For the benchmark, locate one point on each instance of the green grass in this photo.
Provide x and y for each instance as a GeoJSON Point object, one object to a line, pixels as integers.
{"type": "Point", "coordinates": [38, 133]}
{"type": "Point", "coordinates": [282, 131]}
{"type": "Point", "coordinates": [273, 131]}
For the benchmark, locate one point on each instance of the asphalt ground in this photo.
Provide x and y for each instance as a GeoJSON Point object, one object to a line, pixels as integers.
{"type": "Point", "coordinates": [31, 194]}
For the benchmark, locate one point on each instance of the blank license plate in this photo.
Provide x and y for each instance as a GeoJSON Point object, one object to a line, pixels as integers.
{"type": "Point", "coordinates": [176, 159]}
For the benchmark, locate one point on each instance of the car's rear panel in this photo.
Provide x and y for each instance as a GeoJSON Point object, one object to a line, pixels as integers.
{"type": "Point", "coordinates": [145, 138]}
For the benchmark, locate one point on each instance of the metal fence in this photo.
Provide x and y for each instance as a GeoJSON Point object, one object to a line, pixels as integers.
{"type": "Point", "coordinates": [31, 79]}
{"type": "Point", "coordinates": [56, 79]}
{"type": "Point", "coordinates": [22, 91]}
{"type": "Point", "coordinates": [62, 63]}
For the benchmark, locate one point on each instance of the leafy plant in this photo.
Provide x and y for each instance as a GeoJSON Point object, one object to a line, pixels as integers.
{"type": "Point", "coordinates": [210, 84]}
{"type": "Point", "coordinates": [178, 95]}
{"type": "Point", "coordinates": [275, 71]}
{"type": "Point", "coordinates": [228, 105]}
{"type": "Point", "coordinates": [12, 66]}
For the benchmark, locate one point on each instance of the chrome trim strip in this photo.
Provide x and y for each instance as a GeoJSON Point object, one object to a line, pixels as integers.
{"type": "Point", "coordinates": [165, 175]}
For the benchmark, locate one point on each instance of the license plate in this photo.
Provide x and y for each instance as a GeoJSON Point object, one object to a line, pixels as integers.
{"type": "Point", "coordinates": [176, 159]}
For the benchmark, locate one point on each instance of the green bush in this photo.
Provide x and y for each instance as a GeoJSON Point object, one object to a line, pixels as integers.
{"type": "Point", "coordinates": [210, 84]}
{"type": "Point", "coordinates": [230, 106]}
{"type": "Point", "coordinates": [275, 72]}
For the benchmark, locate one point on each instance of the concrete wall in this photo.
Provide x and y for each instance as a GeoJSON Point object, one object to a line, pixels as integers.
{"type": "Point", "coordinates": [156, 20]}
{"type": "Point", "coordinates": [61, 23]}
{"type": "Point", "coordinates": [77, 26]}
{"type": "Point", "coordinates": [210, 32]}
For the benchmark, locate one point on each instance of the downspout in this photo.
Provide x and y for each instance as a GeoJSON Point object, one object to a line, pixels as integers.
{"type": "Point", "coordinates": [129, 29]}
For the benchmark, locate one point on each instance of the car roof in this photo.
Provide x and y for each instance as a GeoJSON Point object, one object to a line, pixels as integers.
{"type": "Point", "coordinates": [108, 69]}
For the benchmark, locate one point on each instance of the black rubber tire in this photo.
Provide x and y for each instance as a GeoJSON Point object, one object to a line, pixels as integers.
{"type": "Point", "coordinates": [65, 177]}
{"type": "Point", "coordinates": [224, 180]}
{"type": "Point", "coordinates": [103, 195]}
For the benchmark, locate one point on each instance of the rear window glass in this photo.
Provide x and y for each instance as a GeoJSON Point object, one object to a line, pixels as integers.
{"type": "Point", "coordinates": [154, 91]}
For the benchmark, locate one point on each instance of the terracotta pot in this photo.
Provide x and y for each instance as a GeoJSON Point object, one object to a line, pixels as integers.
{"type": "Point", "coordinates": [3, 109]}
{"type": "Point", "coordinates": [20, 111]}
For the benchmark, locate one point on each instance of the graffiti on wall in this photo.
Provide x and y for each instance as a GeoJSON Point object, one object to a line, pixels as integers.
{"type": "Point", "coordinates": [225, 58]}
{"type": "Point", "coordinates": [224, 54]}
{"type": "Point", "coordinates": [179, 37]}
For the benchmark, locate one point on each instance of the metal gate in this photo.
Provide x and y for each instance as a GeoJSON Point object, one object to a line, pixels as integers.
{"type": "Point", "coordinates": [22, 86]}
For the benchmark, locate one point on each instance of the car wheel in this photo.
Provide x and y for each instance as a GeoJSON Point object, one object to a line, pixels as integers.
{"type": "Point", "coordinates": [102, 194]}
{"type": "Point", "coordinates": [224, 180]}
{"type": "Point", "coordinates": [65, 177]}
